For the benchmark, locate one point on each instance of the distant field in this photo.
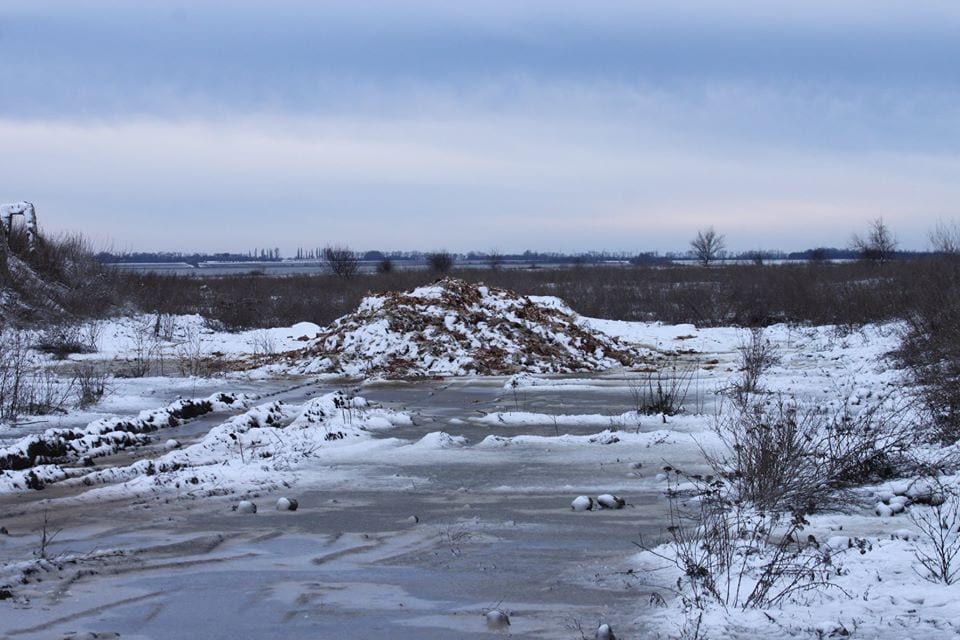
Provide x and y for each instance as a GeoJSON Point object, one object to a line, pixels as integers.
{"type": "Point", "coordinates": [850, 293]}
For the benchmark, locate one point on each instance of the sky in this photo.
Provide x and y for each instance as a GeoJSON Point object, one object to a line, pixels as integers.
{"type": "Point", "coordinates": [478, 125]}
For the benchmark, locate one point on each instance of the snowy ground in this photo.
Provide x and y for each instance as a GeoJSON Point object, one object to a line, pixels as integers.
{"type": "Point", "coordinates": [424, 504]}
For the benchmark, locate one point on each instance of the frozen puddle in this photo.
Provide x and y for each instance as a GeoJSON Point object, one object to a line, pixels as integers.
{"type": "Point", "coordinates": [409, 538]}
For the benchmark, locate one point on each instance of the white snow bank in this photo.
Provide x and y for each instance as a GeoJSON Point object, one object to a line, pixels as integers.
{"type": "Point", "coordinates": [258, 449]}
{"type": "Point", "coordinates": [38, 459]}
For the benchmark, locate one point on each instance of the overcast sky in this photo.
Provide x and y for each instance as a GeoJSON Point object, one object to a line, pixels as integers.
{"type": "Point", "coordinates": [480, 124]}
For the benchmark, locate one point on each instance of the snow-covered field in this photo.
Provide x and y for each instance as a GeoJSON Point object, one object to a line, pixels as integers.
{"type": "Point", "coordinates": [425, 503]}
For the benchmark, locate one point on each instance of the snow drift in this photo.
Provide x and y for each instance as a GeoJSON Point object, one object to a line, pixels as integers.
{"type": "Point", "coordinates": [455, 328]}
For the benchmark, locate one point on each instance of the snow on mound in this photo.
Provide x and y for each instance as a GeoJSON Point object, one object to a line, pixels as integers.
{"type": "Point", "coordinates": [24, 294]}
{"type": "Point", "coordinates": [454, 328]}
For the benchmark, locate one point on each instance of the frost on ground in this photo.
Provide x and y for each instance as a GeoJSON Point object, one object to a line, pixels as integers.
{"type": "Point", "coordinates": [454, 328]}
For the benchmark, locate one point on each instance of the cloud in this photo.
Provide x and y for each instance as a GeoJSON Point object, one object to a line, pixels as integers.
{"type": "Point", "coordinates": [560, 124]}
{"type": "Point", "coordinates": [104, 59]}
{"type": "Point", "coordinates": [464, 184]}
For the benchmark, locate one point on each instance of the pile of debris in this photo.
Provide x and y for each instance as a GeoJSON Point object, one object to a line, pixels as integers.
{"type": "Point", "coordinates": [455, 328]}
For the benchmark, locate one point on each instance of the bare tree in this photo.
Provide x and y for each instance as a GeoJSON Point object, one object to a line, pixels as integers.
{"type": "Point", "coordinates": [495, 260]}
{"type": "Point", "coordinates": [945, 238]}
{"type": "Point", "coordinates": [708, 245]}
{"type": "Point", "coordinates": [341, 261]}
{"type": "Point", "coordinates": [385, 265]}
{"type": "Point", "coordinates": [878, 245]}
{"type": "Point", "coordinates": [440, 261]}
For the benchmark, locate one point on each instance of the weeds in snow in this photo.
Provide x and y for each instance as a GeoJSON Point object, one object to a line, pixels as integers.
{"type": "Point", "coordinates": [90, 384]}
{"type": "Point", "coordinates": [662, 392]}
{"type": "Point", "coordinates": [939, 527]}
{"type": "Point", "coordinates": [27, 386]}
{"type": "Point", "coordinates": [756, 356]}
{"type": "Point", "coordinates": [190, 353]}
{"type": "Point", "coordinates": [262, 343]}
{"type": "Point", "coordinates": [733, 554]}
{"type": "Point", "coordinates": [46, 537]}
{"type": "Point", "coordinates": [778, 455]}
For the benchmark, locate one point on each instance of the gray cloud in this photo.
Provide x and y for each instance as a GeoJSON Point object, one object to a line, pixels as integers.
{"type": "Point", "coordinates": [567, 125]}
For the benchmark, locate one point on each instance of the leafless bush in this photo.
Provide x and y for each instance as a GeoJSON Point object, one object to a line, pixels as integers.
{"type": "Point", "coordinates": [945, 238]}
{"type": "Point", "coordinates": [29, 387]}
{"type": "Point", "coordinates": [440, 261]}
{"type": "Point", "coordinates": [341, 261]}
{"type": "Point", "coordinates": [90, 334]}
{"type": "Point", "coordinates": [16, 363]}
{"type": "Point", "coordinates": [731, 553]}
{"type": "Point", "coordinates": [756, 356]}
{"type": "Point", "coordinates": [781, 457]}
{"type": "Point", "coordinates": [46, 393]}
{"type": "Point", "coordinates": [262, 343]}
{"type": "Point", "coordinates": [663, 391]}
{"type": "Point", "coordinates": [930, 347]}
{"type": "Point", "coordinates": [165, 326]}
{"type": "Point", "coordinates": [939, 527]}
{"type": "Point", "coordinates": [190, 353]}
{"type": "Point", "coordinates": [385, 265]}
{"type": "Point", "coordinates": [878, 244]}
{"type": "Point", "coordinates": [90, 384]}
{"type": "Point", "coordinates": [63, 339]}
{"type": "Point", "coordinates": [143, 349]}
{"type": "Point", "coordinates": [46, 538]}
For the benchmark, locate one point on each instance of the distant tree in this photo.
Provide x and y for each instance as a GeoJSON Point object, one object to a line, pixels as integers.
{"type": "Point", "coordinates": [820, 254]}
{"type": "Point", "coordinates": [341, 261]}
{"type": "Point", "coordinates": [945, 238]}
{"type": "Point", "coordinates": [707, 246]}
{"type": "Point", "coordinates": [495, 260]}
{"type": "Point", "coordinates": [878, 245]}
{"type": "Point", "coordinates": [440, 261]}
{"type": "Point", "coordinates": [385, 265]}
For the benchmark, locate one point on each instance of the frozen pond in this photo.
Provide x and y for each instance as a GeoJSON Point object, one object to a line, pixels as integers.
{"type": "Point", "coordinates": [396, 544]}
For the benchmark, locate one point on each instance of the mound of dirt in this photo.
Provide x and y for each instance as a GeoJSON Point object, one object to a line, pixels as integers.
{"type": "Point", "coordinates": [454, 328]}
{"type": "Point", "coordinates": [25, 295]}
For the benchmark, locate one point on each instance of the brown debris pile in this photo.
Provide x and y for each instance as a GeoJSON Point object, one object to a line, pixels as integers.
{"type": "Point", "coordinates": [455, 328]}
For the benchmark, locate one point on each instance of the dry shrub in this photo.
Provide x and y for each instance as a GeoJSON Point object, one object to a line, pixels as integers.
{"type": "Point", "coordinates": [90, 384]}
{"type": "Point", "coordinates": [782, 457]}
{"type": "Point", "coordinates": [744, 295]}
{"type": "Point", "coordinates": [734, 555]}
{"type": "Point", "coordinates": [663, 391]}
{"type": "Point", "coordinates": [341, 261]}
{"type": "Point", "coordinates": [440, 261]}
{"type": "Point", "coordinates": [755, 357]}
{"type": "Point", "coordinates": [930, 346]}
{"type": "Point", "coordinates": [939, 526]}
